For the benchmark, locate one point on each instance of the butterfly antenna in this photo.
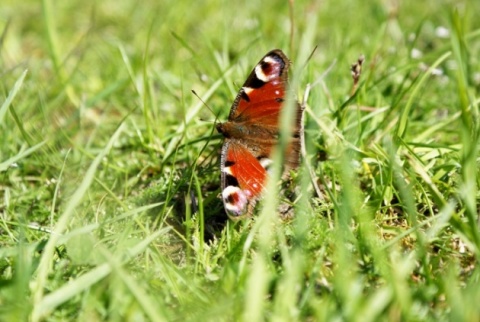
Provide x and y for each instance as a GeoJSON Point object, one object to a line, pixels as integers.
{"type": "Point", "coordinates": [309, 57]}
{"type": "Point", "coordinates": [206, 105]}
{"type": "Point", "coordinates": [311, 54]}
{"type": "Point", "coordinates": [317, 81]}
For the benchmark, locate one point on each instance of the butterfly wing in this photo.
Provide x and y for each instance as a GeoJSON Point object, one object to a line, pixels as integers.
{"type": "Point", "coordinates": [251, 132]}
{"type": "Point", "coordinates": [243, 177]}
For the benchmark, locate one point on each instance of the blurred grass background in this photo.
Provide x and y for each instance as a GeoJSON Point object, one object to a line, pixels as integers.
{"type": "Point", "coordinates": [109, 166]}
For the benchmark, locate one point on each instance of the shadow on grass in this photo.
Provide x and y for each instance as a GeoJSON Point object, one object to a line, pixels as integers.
{"type": "Point", "coordinates": [180, 206]}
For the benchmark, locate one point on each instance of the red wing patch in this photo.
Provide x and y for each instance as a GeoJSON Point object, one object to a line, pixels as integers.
{"type": "Point", "coordinates": [243, 177]}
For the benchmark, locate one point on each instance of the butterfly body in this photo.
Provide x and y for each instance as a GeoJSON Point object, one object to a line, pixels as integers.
{"type": "Point", "coordinates": [252, 131]}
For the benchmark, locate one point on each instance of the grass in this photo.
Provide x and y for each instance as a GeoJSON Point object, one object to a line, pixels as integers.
{"type": "Point", "coordinates": [109, 166]}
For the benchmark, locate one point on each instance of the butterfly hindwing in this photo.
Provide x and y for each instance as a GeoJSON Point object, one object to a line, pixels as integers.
{"type": "Point", "coordinates": [243, 177]}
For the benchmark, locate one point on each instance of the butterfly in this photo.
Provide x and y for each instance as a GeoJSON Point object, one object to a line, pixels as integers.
{"type": "Point", "coordinates": [252, 131]}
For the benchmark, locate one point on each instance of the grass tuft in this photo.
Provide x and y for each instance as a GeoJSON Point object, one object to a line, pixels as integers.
{"type": "Point", "coordinates": [109, 165]}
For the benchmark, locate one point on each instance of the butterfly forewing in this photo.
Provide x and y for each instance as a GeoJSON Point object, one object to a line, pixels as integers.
{"type": "Point", "coordinates": [264, 89]}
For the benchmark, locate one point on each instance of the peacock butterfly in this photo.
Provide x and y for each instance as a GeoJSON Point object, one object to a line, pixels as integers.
{"type": "Point", "coordinates": [251, 132]}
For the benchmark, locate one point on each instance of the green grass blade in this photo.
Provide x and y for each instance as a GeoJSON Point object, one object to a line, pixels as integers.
{"type": "Point", "coordinates": [47, 255]}
{"type": "Point", "coordinates": [402, 124]}
{"type": "Point", "coordinates": [7, 163]}
{"type": "Point", "coordinates": [11, 95]}
{"type": "Point", "coordinates": [61, 295]}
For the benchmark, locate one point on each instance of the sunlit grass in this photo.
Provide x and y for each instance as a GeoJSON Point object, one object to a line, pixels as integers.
{"type": "Point", "coordinates": [109, 165]}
